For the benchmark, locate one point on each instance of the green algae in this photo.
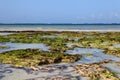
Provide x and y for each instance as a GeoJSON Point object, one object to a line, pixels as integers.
{"type": "Point", "coordinates": [35, 57]}
{"type": "Point", "coordinates": [115, 52]}
{"type": "Point", "coordinates": [88, 54]}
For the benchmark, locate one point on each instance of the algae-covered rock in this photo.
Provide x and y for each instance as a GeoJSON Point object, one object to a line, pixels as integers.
{"type": "Point", "coordinates": [35, 57]}
{"type": "Point", "coordinates": [95, 72]}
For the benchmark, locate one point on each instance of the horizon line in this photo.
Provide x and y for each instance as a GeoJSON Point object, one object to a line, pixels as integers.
{"type": "Point", "coordinates": [59, 23]}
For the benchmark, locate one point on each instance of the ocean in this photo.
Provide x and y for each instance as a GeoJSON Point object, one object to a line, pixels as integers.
{"type": "Point", "coordinates": [63, 26]}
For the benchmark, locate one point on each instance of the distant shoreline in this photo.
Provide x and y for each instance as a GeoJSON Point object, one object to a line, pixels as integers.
{"type": "Point", "coordinates": [59, 23]}
{"type": "Point", "coordinates": [62, 27]}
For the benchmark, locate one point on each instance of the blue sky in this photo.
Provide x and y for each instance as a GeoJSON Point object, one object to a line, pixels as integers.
{"type": "Point", "coordinates": [59, 11]}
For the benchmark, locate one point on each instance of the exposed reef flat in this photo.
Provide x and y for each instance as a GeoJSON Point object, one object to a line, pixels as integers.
{"type": "Point", "coordinates": [60, 55]}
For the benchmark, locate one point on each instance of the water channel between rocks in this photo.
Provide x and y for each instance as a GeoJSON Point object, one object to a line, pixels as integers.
{"type": "Point", "coordinates": [92, 55]}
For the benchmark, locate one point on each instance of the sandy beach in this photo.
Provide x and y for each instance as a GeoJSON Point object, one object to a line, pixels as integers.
{"type": "Point", "coordinates": [52, 29]}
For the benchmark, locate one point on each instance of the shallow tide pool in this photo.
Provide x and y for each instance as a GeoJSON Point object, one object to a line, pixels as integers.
{"type": "Point", "coordinates": [1, 33]}
{"type": "Point", "coordinates": [17, 46]}
{"type": "Point", "coordinates": [92, 55]}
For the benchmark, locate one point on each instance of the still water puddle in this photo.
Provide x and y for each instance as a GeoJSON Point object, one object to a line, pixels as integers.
{"type": "Point", "coordinates": [92, 55]}
{"type": "Point", "coordinates": [17, 46]}
{"type": "Point", "coordinates": [116, 45]}
{"type": "Point", "coordinates": [113, 67]}
{"type": "Point", "coordinates": [51, 37]}
{"type": "Point", "coordinates": [5, 33]}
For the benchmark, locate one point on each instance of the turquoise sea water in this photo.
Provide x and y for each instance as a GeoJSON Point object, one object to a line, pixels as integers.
{"type": "Point", "coordinates": [65, 26]}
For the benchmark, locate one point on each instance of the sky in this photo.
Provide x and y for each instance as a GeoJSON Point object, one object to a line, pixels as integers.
{"type": "Point", "coordinates": [59, 11]}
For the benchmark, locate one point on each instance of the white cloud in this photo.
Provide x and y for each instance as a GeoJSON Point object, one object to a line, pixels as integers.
{"type": "Point", "coordinates": [116, 15]}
